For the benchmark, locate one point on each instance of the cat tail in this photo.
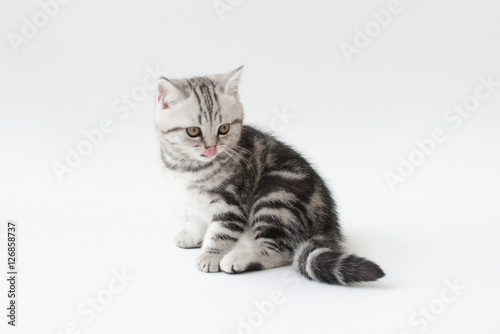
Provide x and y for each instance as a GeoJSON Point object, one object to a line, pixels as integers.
{"type": "Point", "coordinates": [328, 265]}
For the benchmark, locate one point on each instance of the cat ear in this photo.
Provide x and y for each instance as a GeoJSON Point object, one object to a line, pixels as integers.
{"type": "Point", "coordinates": [232, 80]}
{"type": "Point", "coordinates": [168, 94]}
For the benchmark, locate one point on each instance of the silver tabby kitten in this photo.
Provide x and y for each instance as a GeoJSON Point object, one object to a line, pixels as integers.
{"type": "Point", "coordinates": [259, 204]}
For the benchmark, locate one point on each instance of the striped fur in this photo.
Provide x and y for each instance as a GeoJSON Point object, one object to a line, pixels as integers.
{"type": "Point", "coordinates": [256, 204]}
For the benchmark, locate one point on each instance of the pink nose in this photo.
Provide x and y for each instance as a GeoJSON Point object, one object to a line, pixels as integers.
{"type": "Point", "coordinates": [210, 152]}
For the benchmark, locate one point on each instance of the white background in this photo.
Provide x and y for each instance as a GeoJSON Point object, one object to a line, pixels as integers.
{"type": "Point", "coordinates": [351, 119]}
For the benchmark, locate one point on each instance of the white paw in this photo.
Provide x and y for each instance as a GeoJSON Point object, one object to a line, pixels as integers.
{"type": "Point", "coordinates": [185, 239]}
{"type": "Point", "coordinates": [238, 261]}
{"type": "Point", "coordinates": [208, 262]}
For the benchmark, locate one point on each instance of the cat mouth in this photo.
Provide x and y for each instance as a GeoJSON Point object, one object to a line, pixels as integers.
{"type": "Point", "coordinates": [210, 152]}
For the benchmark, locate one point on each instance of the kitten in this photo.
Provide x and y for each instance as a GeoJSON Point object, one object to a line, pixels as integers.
{"type": "Point", "coordinates": [259, 204]}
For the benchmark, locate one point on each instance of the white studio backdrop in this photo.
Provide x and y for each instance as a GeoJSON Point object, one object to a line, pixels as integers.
{"type": "Point", "coordinates": [395, 102]}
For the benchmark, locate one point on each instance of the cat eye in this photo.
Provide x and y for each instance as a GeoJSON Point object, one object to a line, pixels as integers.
{"type": "Point", "coordinates": [224, 129]}
{"type": "Point", "coordinates": [193, 132]}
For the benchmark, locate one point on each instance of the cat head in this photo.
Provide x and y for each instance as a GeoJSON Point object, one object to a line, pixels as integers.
{"type": "Point", "coordinates": [199, 118]}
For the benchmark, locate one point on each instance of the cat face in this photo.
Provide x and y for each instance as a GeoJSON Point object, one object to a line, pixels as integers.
{"type": "Point", "coordinates": [199, 118]}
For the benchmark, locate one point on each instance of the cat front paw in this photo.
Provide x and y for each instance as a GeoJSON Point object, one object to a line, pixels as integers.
{"type": "Point", "coordinates": [185, 239]}
{"type": "Point", "coordinates": [208, 262]}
